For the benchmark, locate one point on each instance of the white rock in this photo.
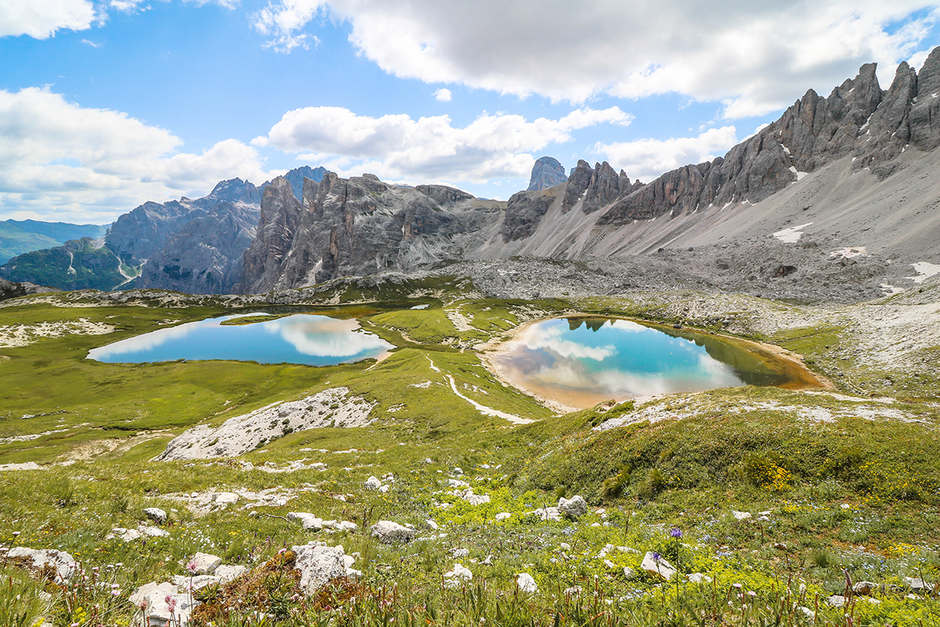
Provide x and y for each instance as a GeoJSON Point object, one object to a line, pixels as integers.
{"type": "Point", "coordinates": [387, 531]}
{"type": "Point", "coordinates": [457, 471]}
{"type": "Point", "coordinates": [383, 489]}
{"type": "Point", "coordinates": [526, 583]}
{"type": "Point", "coordinates": [661, 567]}
{"type": "Point", "coordinates": [503, 516]}
{"type": "Point", "coordinates": [916, 583]}
{"type": "Point", "coordinates": [63, 563]}
{"type": "Point", "coordinates": [864, 588]}
{"type": "Point", "coordinates": [458, 575]}
{"type": "Point", "coordinates": [373, 483]}
{"type": "Point", "coordinates": [433, 525]}
{"type": "Point", "coordinates": [740, 515]}
{"type": "Point", "coordinates": [609, 564]}
{"type": "Point", "coordinates": [155, 514]}
{"type": "Point", "coordinates": [573, 508]}
{"type": "Point", "coordinates": [346, 525]}
{"type": "Point", "coordinates": [153, 532]}
{"type": "Point", "coordinates": [836, 600]}
{"type": "Point", "coordinates": [628, 573]}
{"type": "Point", "coordinates": [309, 521]}
{"type": "Point", "coordinates": [564, 546]}
{"type": "Point", "coordinates": [229, 572]}
{"type": "Point", "coordinates": [153, 600]}
{"type": "Point", "coordinates": [318, 565]}
{"type": "Point", "coordinates": [224, 499]}
{"type": "Point", "coordinates": [458, 553]}
{"type": "Point", "coordinates": [205, 563]}
{"type": "Point", "coordinates": [457, 483]}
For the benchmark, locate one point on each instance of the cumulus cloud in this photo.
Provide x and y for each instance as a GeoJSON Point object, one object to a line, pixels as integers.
{"type": "Point", "coordinates": [40, 19]}
{"type": "Point", "coordinates": [443, 94]}
{"type": "Point", "coordinates": [58, 159]}
{"type": "Point", "coordinates": [646, 159]}
{"type": "Point", "coordinates": [397, 146]}
{"type": "Point", "coordinates": [753, 56]}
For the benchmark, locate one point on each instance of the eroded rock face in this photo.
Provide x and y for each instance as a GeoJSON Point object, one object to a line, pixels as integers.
{"type": "Point", "coordinates": [523, 214]}
{"type": "Point", "coordinates": [547, 172]}
{"type": "Point", "coordinates": [332, 407]}
{"type": "Point", "coordinates": [357, 226]}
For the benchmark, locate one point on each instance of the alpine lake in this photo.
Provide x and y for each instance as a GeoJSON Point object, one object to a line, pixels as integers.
{"type": "Point", "coordinates": [581, 361]}
{"type": "Point", "coordinates": [572, 362]}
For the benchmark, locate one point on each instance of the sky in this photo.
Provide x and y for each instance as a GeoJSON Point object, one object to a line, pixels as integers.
{"type": "Point", "coordinates": [106, 104]}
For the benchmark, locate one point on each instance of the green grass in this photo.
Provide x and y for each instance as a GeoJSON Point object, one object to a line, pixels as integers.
{"type": "Point", "coordinates": [857, 494]}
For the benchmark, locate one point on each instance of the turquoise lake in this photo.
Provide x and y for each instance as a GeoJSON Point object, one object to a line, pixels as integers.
{"type": "Point", "coordinates": [580, 362]}
{"type": "Point", "coordinates": [298, 339]}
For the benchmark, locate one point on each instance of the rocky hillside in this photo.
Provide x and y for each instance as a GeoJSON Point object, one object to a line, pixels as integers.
{"type": "Point", "coordinates": [846, 172]}
{"type": "Point", "coordinates": [192, 246]}
{"type": "Point", "coordinates": [357, 226]}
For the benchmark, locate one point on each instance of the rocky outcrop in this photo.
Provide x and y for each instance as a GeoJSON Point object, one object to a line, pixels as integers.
{"type": "Point", "coordinates": [858, 118]}
{"type": "Point", "coordinates": [356, 226]}
{"type": "Point", "coordinates": [524, 211]}
{"type": "Point", "coordinates": [547, 172]}
{"type": "Point", "coordinates": [205, 255]}
{"type": "Point", "coordinates": [280, 216]}
{"type": "Point", "coordinates": [329, 408]}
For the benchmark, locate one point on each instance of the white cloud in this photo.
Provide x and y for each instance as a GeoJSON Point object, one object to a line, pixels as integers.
{"type": "Point", "coordinates": [40, 19]}
{"type": "Point", "coordinates": [443, 94]}
{"type": "Point", "coordinates": [646, 159]}
{"type": "Point", "coordinates": [59, 160]}
{"type": "Point", "coordinates": [755, 56]}
{"type": "Point", "coordinates": [396, 146]}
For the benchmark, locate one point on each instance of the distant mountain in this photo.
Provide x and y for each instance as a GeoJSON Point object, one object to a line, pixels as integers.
{"type": "Point", "coordinates": [187, 245]}
{"type": "Point", "coordinates": [547, 172]}
{"type": "Point", "coordinates": [22, 236]}
{"type": "Point", "coordinates": [854, 170]}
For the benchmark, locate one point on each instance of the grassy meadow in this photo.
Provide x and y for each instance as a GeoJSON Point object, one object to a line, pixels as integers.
{"type": "Point", "coordinates": [840, 486]}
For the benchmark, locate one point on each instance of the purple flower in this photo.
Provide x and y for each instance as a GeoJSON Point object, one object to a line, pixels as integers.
{"type": "Point", "coordinates": [656, 556]}
{"type": "Point", "coordinates": [676, 533]}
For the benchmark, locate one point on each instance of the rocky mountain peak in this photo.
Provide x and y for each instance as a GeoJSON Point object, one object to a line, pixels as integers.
{"type": "Point", "coordinates": [547, 172]}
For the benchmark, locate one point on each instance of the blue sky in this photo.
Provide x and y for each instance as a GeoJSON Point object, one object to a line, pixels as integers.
{"type": "Point", "coordinates": [105, 104]}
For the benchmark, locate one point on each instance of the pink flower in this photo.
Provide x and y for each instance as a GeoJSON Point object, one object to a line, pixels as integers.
{"type": "Point", "coordinates": [191, 566]}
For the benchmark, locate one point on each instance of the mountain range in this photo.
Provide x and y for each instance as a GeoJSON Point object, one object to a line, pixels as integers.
{"type": "Point", "coordinates": [851, 175]}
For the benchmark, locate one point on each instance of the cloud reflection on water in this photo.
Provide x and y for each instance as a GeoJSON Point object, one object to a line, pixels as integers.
{"type": "Point", "coordinates": [327, 337]}
{"type": "Point", "coordinates": [298, 338]}
{"type": "Point", "coordinates": [614, 359]}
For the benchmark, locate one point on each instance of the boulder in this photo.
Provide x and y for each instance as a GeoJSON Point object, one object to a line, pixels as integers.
{"type": "Point", "coordinates": [864, 588]}
{"type": "Point", "coordinates": [457, 576]}
{"type": "Point", "coordinates": [388, 532]}
{"type": "Point", "coordinates": [203, 563]}
{"type": "Point", "coordinates": [229, 572]}
{"type": "Point", "coordinates": [573, 508]}
{"type": "Point", "coordinates": [155, 514]}
{"type": "Point", "coordinates": [526, 583]}
{"type": "Point", "coordinates": [372, 483]}
{"type": "Point", "coordinates": [319, 564]}
{"type": "Point", "coordinates": [656, 565]}
{"type": "Point", "coordinates": [309, 521]}
{"type": "Point", "coordinates": [160, 604]}
{"type": "Point", "coordinates": [503, 516]}
{"type": "Point", "coordinates": [63, 563]}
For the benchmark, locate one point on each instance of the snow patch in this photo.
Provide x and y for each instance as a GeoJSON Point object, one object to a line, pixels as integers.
{"type": "Point", "coordinates": [924, 271]}
{"type": "Point", "coordinates": [791, 235]}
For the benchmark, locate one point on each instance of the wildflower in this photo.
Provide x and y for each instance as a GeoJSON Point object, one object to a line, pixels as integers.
{"type": "Point", "coordinates": [676, 533]}
{"type": "Point", "coordinates": [171, 603]}
{"type": "Point", "coordinates": [657, 557]}
{"type": "Point", "coordinates": [751, 593]}
{"type": "Point", "coordinates": [191, 566]}
{"type": "Point", "coordinates": [737, 585]}
{"type": "Point", "coordinates": [143, 604]}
